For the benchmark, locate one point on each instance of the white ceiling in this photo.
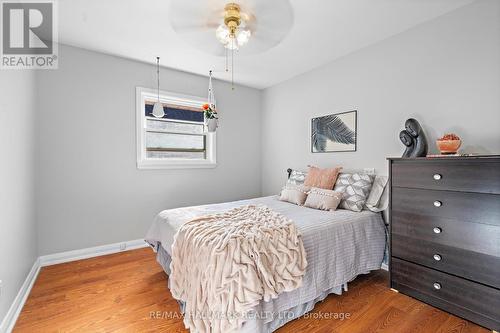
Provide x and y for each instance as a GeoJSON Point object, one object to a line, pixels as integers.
{"type": "Point", "coordinates": [322, 31]}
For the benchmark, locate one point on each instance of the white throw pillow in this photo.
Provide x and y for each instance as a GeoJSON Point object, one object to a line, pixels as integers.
{"type": "Point", "coordinates": [295, 194]}
{"type": "Point", "coordinates": [378, 198]}
{"type": "Point", "coordinates": [319, 198]}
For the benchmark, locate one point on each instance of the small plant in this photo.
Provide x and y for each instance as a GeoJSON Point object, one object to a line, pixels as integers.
{"type": "Point", "coordinates": [209, 111]}
{"type": "Point", "coordinates": [450, 136]}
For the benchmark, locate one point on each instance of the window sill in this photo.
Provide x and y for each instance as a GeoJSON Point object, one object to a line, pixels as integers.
{"type": "Point", "coordinates": [175, 164]}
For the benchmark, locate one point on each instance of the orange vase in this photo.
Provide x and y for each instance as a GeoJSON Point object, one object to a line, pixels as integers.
{"type": "Point", "coordinates": [448, 146]}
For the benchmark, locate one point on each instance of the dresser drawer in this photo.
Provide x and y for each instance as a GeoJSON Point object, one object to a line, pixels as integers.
{"type": "Point", "coordinates": [473, 175]}
{"type": "Point", "coordinates": [477, 237]}
{"type": "Point", "coordinates": [475, 266]}
{"type": "Point", "coordinates": [470, 300]}
{"type": "Point", "coordinates": [472, 207]}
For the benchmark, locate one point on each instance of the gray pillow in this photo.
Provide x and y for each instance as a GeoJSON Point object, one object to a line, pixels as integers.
{"type": "Point", "coordinates": [297, 177]}
{"type": "Point", "coordinates": [355, 188]}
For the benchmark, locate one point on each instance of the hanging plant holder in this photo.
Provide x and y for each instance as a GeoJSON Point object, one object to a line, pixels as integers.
{"type": "Point", "coordinates": [210, 108]}
{"type": "Point", "coordinates": [212, 125]}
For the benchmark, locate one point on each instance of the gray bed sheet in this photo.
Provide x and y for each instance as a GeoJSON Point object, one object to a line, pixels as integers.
{"type": "Point", "coordinates": [339, 246]}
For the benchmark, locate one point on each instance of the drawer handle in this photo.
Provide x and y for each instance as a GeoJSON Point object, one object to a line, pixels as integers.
{"type": "Point", "coordinates": [437, 176]}
{"type": "Point", "coordinates": [437, 230]}
{"type": "Point", "coordinates": [438, 203]}
{"type": "Point", "coordinates": [437, 285]}
{"type": "Point", "coordinates": [437, 257]}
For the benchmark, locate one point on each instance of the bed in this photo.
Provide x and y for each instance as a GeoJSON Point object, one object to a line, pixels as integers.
{"type": "Point", "coordinates": [339, 246]}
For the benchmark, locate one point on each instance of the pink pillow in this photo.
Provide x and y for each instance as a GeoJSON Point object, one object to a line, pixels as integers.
{"type": "Point", "coordinates": [322, 178]}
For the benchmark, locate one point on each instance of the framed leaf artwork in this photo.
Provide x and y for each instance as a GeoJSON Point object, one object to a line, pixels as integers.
{"type": "Point", "coordinates": [334, 132]}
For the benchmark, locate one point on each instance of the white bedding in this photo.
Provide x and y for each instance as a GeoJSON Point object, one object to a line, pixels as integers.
{"type": "Point", "coordinates": [339, 246]}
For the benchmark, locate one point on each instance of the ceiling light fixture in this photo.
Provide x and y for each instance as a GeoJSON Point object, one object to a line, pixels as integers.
{"type": "Point", "coordinates": [233, 33]}
{"type": "Point", "coordinates": [158, 111]}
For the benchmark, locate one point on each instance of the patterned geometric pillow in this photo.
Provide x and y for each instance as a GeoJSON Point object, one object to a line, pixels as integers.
{"type": "Point", "coordinates": [355, 188]}
{"type": "Point", "coordinates": [296, 177]}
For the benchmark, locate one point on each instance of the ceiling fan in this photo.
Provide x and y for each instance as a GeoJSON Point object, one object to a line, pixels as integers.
{"type": "Point", "coordinates": [221, 27]}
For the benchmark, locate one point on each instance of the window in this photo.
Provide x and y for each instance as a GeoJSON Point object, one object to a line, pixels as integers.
{"type": "Point", "coordinates": [179, 139]}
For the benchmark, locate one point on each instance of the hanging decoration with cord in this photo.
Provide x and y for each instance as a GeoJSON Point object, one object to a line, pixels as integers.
{"type": "Point", "coordinates": [158, 111]}
{"type": "Point", "coordinates": [210, 108]}
{"type": "Point", "coordinates": [211, 93]}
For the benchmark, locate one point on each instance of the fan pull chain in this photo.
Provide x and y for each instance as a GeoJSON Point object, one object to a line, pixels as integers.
{"type": "Point", "coordinates": [232, 65]}
{"type": "Point", "coordinates": [226, 56]}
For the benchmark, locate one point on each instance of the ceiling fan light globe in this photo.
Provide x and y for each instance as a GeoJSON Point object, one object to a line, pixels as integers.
{"type": "Point", "coordinates": [232, 44]}
{"type": "Point", "coordinates": [222, 34]}
{"type": "Point", "coordinates": [243, 37]}
{"type": "Point", "coordinates": [158, 111]}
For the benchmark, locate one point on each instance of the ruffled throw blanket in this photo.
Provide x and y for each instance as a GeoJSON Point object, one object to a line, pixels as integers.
{"type": "Point", "coordinates": [224, 264]}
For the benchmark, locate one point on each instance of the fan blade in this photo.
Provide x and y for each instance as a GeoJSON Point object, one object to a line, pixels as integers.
{"type": "Point", "coordinates": [196, 22]}
{"type": "Point", "coordinates": [192, 15]}
{"type": "Point", "coordinates": [206, 41]}
{"type": "Point", "coordinates": [180, 29]}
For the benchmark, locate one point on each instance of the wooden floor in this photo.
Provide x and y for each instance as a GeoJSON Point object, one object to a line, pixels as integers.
{"type": "Point", "coordinates": [120, 292]}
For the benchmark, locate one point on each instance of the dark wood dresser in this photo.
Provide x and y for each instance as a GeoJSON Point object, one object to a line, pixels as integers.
{"type": "Point", "coordinates": [445, 234]}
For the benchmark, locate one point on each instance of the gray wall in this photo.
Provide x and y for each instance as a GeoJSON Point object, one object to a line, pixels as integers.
{"type": "Point", "coordinates": [89, 191]}
{"type": "Point", "coordinates": [445, 73]}
{"type": "Point", "coordinates": [76, 169]}
{"type": "Point", "coordinates": [18, 248]}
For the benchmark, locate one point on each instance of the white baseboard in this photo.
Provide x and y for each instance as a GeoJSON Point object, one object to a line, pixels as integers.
{"type": "Point", "coordinates": [62, 257]}
{"type": "Point", "coordinates": [10, 318]}
{"type": "Point", "coordinates": [385, 267]}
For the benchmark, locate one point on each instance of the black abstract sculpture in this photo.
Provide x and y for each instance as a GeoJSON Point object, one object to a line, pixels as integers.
{"type": "Point", "coordinates": [413, 137]}
{"type": "Point", "coordinates": [407, 140]}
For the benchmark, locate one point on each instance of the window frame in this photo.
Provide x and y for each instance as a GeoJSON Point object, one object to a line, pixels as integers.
{"type": "Point", "coordinates": [166, 97]}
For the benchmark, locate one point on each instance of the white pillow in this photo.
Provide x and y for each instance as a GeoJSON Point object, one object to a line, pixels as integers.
{"type": "Point", "coordinates": [319, 198]}
{"type": "Point", "coordinates": [378, 199]}
{"type": "Point", "coordinates": [295, 194]}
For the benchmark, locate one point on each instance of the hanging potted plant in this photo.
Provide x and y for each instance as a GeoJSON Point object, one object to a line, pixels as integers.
{"type": "Point", "coordinates": [210, 116]}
